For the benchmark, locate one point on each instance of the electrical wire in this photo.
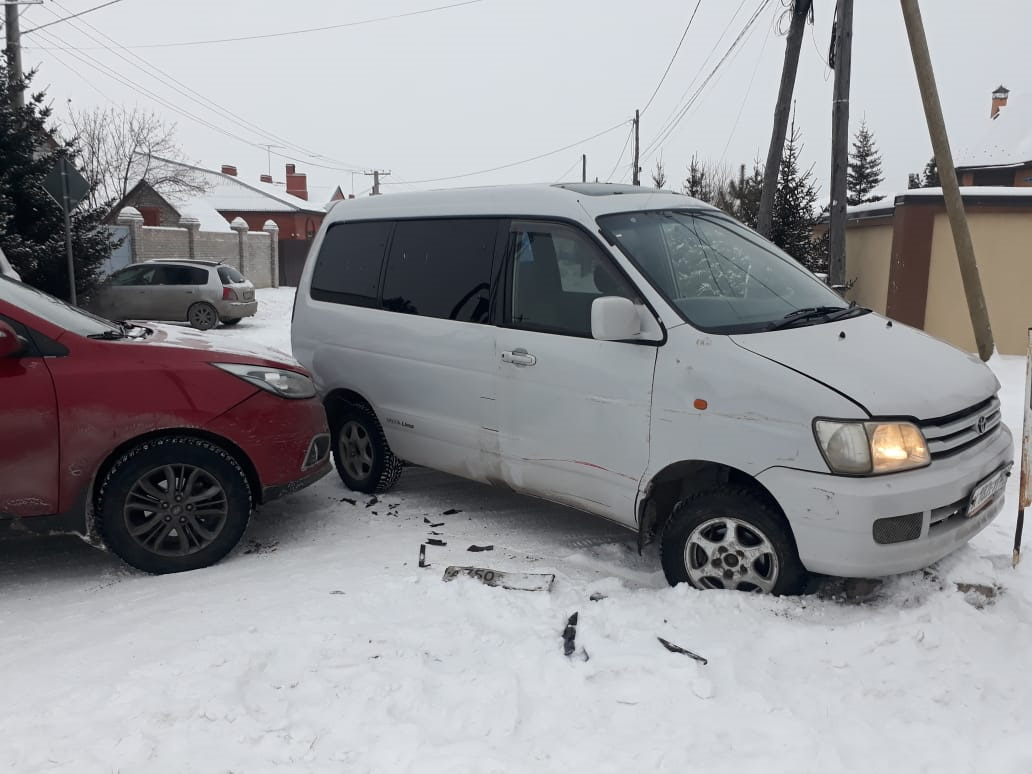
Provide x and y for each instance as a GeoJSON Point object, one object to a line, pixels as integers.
{"type": "Point", "coordinates": [745, 98]}
{"type": "Point", "coordinates": [73, 16]}
{"type": "Point", "coordinates": [623, 150]}
{"type": "Point", "coordinates": [308, 30]}
{"type": "Point", "coordinates": [512, 164]}
{"type": "Point", "coordinates": [671, 62]}
{"type": "Point", "coordinates": [568, 171]}
{"type": "Point", "coordinates": [185, 91]}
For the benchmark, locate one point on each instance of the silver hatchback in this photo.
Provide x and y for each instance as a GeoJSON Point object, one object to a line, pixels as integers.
{"type": "Point", "coordinates": [200, 292]}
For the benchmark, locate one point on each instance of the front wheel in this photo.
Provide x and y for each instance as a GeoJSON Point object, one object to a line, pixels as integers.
{"type": "Point", "coordinates": [364, 460]}
{"type": "Point", "coordinates": [230, 320]}
{"type": "Point", "coordinates": [173, 504]}
{"type": "Point", "coordinates": [731, 539]}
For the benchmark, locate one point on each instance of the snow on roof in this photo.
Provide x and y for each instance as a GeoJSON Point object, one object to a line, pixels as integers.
{"type": "Point", "coordinates": [227, 192]}
{"type": "Point", "coordinates": [1006, 140]}
{"type": "Point", "coordinates": [198, 207]}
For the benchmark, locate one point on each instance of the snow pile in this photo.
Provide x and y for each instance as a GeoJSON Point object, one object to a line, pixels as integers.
{"type": "Point", "coordinates": [321, 646]}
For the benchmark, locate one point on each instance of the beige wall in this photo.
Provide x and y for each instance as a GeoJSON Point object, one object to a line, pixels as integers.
{"type": "Point", "coordinates": [868, 256]}
{"type": "Point", "coordinates": [1003, 247]}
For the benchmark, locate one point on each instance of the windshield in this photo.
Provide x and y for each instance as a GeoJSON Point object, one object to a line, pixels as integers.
{"type": "Point", "coordinates": [721, 276]}
{"type": "Point", "coordinates": [53, 310]}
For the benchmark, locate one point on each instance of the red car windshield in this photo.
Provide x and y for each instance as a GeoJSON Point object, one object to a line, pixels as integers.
{"type": "Point", "coordinates": [53, 310]}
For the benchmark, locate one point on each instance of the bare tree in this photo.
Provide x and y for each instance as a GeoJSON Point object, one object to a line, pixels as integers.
{"type": "Point", "coordinates": [121, 146]}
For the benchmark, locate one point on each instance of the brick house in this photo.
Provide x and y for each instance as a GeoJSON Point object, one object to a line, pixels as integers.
{"type": "Point", "coordinates": [228, 199]}
{"type": "Point", "coordinates": [1002, 156]}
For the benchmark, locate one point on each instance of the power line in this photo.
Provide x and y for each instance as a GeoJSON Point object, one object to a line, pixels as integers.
{"type": "Point", "coordinates": [702, 86]}
{"type": "Point", "coordinates": [73, 16]}
{"type": "Point", "coordinates": [671, 62]}
{"type": "Point", "coordinates": [517, 163]}
{"type": "Point", "coordinates": [568, 171]}
{"type": "Point", "coordinates": [168, 80]}
{"type": "Point", "coordinates": [745, 98]}
{"type": "Point", "coordinates": [619, 158]}
{"type": "Point", "coordinates": [309, 29]}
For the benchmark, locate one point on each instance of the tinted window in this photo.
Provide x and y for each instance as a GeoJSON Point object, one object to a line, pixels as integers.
{"type": "Point", "coordinates": [229, 275]}
{"type": "Point", "coordinates": [134, 275]}
{"type": "Point", "coordinates": [441, 268]}
{"type": "Point", "coordinates": [180, 275]}
{"type": "Point", "coordinates": [556, 274]}
{"type": "Point", "coordinates": [347, 269]}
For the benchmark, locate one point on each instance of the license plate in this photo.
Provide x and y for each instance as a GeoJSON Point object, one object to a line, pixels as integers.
{"type": "Point", "coordinates": [985, 492]}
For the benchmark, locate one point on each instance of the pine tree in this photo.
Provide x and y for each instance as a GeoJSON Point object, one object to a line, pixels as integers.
{"type": "Point", "coordinates": [931, 175]}
{"type": "Point", "coordinates": [31, 222]}
{"type": "Point", "coordinates": [697, 184]}
{"type": "Point", "coordinates": [795, 207]}
{"type": "Point", "coordinates": [913, 181]}
{"type": "Point", "coordinates": [864, 174]}
{"type": "Point", "coordinates": [659, 175]}
{"type": "Point", "coordinates": [742, 197]}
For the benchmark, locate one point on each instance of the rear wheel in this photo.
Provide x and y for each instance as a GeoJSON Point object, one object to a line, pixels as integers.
{"type": "Point", "coordinates": [731, 539]}
{"type": "Point", "coordinates": [173, 504]}
{"type": "Point", "coordinates": [202, 316]}
{"type": "Point", "coordinates": [364, 460]}
{"type": "Point", "coordinates": [230, 320]}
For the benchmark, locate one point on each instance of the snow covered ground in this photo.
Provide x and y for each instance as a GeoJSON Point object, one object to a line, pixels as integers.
{"type": "Point", "coordinates": [320, 645]}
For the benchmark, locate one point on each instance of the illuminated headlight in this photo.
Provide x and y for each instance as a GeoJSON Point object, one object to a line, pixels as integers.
{"type": "Point", "coordinates": [286, 384]}
{"type": "Point", "coordinates": [857, 448]}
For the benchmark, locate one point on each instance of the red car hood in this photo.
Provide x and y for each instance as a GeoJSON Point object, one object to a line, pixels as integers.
{"type": "Point", "coordinates": [213, 348]}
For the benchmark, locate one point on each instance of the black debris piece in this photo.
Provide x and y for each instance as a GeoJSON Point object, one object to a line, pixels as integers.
{"type": "Point", "coordinates": [422, 556]}
{"type": "Point", "coordinates": [372, 502]}
{"type": "Point", "coordinates": [451, 512]}
{"type": "Point", "coordinates": [336, 591]}
{"type": "Point", "coordinates": [569, 635]}
{"type": "Point", "coordinates": [678, 649]}
{"type": "Point", "coordinates": [598, 596]}
{"type": "Point", "coordinates": [480, 548]}
{"type": "Point", "coordinates": [435, 542]}
{"type": "Point", "coordinates": [433, 525]}
{"type": "Point", "coordinates": [349, 501]}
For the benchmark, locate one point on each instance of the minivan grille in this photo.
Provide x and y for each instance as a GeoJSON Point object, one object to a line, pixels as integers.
{"type": "Point", "coordinates": [963, 430]}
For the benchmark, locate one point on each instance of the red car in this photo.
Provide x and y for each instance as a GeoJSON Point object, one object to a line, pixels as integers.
{"type": "Point", "coordinates": [153, 441]}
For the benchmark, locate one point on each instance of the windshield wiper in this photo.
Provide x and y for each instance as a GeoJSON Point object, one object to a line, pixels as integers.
{"type": "Point", "coordinates": [830, 313]}
{"type": "Point", "coordinates": [108, 335]}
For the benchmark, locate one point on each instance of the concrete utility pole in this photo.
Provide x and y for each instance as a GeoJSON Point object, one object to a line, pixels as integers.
{"type": "Point", "coordinates": [376, 180]}
{"type": "Point", "coordinates": [948, 178]}
{"type": "Point", "coordinates": [765, 217]}
{"type": "Point", "coordinates": [14, 61]}
{"type": "Point", "coordinates": [840, 143]}
{"type": "Point", "coordinates": [635, 175]}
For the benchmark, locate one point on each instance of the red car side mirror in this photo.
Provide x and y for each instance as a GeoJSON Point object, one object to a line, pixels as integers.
{"type": "Point", "coordinates": [11, 343]}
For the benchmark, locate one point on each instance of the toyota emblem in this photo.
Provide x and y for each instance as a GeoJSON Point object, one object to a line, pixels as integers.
{"type": "Point", "coordinates": [982, 422]}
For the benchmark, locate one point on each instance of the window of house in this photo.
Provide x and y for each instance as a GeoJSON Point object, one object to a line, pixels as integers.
{"type": "Point", "coordinates": [556, 274]}
{"type": "Point", "coordinates": [441, 268]}
{"type": "Point", "coordinates": [347, 269]}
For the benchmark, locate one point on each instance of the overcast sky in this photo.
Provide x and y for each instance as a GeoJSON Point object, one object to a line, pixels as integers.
{"type": "Point", "coordinates": [482, 84]}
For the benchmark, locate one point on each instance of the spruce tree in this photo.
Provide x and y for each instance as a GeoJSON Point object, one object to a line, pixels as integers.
{"type": "Point", "coordinates": [931, 175]}
{"type": "Point", "coordinates": [659, 175]}
{"type": "Point", "coordinates": [742, 198]}
{"type": "Point", "coordinates": [32, 232]}
{"type": "Point", "coordinates": [795, 207]}
{"type": "Point", "coordinates": [864, 174]}
{"type": "Point", "coordinates": [697, 184]}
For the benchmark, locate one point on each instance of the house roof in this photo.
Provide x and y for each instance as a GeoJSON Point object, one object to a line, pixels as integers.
{"type": "Point", "coordinates": [198, 207]}
{"type": "Point", "coordinates": [1005, 140]}
{"type": "Point", "coordinates": [230, 193]}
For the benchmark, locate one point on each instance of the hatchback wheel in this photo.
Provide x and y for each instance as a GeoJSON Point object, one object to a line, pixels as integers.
{"type": "Point", "coordinates": [202, 316]}
{"type": "Point", "coordinates": [230, 320]}
{"type": "Point", "coordinates": [364, 460]}
{"type": "Point", "coordinates": [731, 539]}
{"type": "Point", "coordinates": [173, 504]}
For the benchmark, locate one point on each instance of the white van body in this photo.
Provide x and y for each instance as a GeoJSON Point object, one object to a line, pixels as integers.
{"type": "Point", "coordinates": [690, 401]}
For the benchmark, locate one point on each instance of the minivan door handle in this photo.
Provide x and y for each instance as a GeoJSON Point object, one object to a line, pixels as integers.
{"type": "Point", "coordinates": [519, 357]}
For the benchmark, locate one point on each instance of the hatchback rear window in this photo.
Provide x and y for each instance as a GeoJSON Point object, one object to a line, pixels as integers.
{"type": "Point", "coordinates": [230, 276]}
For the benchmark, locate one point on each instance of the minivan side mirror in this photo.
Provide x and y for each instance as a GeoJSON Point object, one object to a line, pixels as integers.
{"type": "Point", "coordinates": [614, 318]}
{"type": "Point", "coordinates": [11, 344]}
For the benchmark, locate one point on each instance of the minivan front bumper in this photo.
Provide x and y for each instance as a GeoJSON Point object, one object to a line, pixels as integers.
{"type": "Point", "coordinates": [833, 517]}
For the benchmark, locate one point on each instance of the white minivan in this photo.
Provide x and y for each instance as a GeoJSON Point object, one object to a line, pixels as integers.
{"type": "Point", "coordinates": [644, 357]}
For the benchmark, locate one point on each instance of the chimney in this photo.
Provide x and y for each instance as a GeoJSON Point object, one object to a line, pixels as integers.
{"type": "Point", "coordinates": [999, 101]}
{"type": "Point", "coordinates": [229, 169]}
{"type": "Point", "coordinates": [266, 178]}
{"type": "Point", "coordinates": [297, 183]}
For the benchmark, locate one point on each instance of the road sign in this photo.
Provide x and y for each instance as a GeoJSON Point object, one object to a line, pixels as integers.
{"type": "Point", "coordinates": [78, 187]}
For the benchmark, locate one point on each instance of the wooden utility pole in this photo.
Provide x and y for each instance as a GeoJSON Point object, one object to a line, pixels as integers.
{"type": "Point", "coordinates": [376, 180]}
{"type": "Point", "coordinates": [635, 177]}
{"type": "Point", "coordinates": [948, 178]}
{"type": "Point", "coordinates": [14, 60]}
{"type": "Point", "coordinates": [765, 217]}
{"type": "Point", "coordinates": [840, 143]}
{"type": "Point", "coordinates": [584, 168]}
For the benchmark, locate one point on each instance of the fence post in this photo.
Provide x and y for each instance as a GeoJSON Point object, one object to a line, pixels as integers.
{"type": "Point", "coordinates": [239, 225]}
{"type": "Point", "coordinates": [273, 231]}
{"type": "Point", "coordinates": [193, 227]}
{"type": "Point", "coordinates": [131, 217]}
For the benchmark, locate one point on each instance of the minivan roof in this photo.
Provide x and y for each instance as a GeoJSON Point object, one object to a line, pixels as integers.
{"type": "Point", "coordinates": [569, 200]}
